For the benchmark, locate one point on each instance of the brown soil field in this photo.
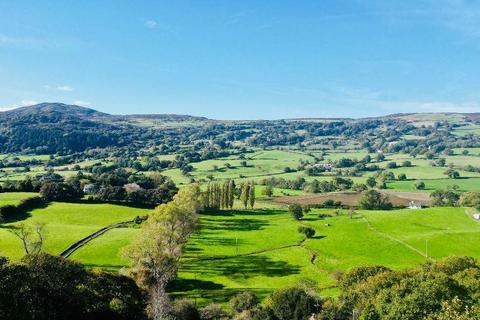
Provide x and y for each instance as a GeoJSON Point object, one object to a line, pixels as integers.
{"type": "Point", "coordinates": [398, 199]}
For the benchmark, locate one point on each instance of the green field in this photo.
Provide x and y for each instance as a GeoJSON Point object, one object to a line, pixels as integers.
{"type": "Point", "coordinates": [259, 164]}
{"type": "Point", "coordinates": [464, 184]}
{"type": "Point", "coordinates": [66, 223]}
{"type": "Point", "coordinates": [14, 198]}
{"type": "Point", "coordinates": [467, 129]}
{"type": "Point", "coordinates": [261, 249]}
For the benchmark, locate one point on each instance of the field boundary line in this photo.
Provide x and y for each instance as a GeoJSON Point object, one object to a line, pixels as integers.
{"type": "Point", "coordinates": [251, 253]}
{"type": "Point", "coordinates": [80, 243]}
{"type": "Point", "coordinates": [385, 235]}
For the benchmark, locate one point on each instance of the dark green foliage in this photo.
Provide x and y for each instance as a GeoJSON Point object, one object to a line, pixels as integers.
{"type": "Point", "coordinates": [48, 287]}
{"type": "Point", "coordinates": [359, 187]}
{"type": "Point", "coordinates": [111, 193]}
{"type": "Point", "coordinates": [185, 310]}
{"type": "Point", "coordinates": [309, 232]}
{"type": "Point", "coordinates": [360, 274]}
{"type": "Point", "coordinates": [244, 301]}
{"type": "Point", "coordinates": [374, 200]}
{"type": "Point", "coordinates": [379, 293]}
{"type": "Point", "coordinates": [297, 184]}
{"type": "Point", "coordinates": [406, 163]}
{"type": "Point", "coordinates": [268, 191]}
{"type": "Point", "coordinates": [444, 198]}
{"type": "Point", "coordinates": [391, 165]}
{"type": "Point", "coordinates": [419, 185]}
{"type": "Point", "coordinates": [371, 182]}
{"type": "Point", "coordinates": [58, 191]}
{"type": "Point", "coordinates": [471, 199]}
{"type": "Point", "coordinates": [296, 211]}
{"type": "Point", "coordinates": [452, 174]}
{"type": "Point", "coordinates": [293, 304]}
{"type": "Point", "coordinates": [51, 128]}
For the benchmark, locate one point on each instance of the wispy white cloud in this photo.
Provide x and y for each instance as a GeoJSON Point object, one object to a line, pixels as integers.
{"type": "Point", "coordinates": [151, 24]}
{"type": "Point", "coordinates": [64, 88]}
{"type": "Point", "coordinates": [28, 102]}
{"type": "Point", "coordinates": [378, 100]}
{"type": "Point", "coordinates": [429, 106]}
{"type": "Point", "coordinates": [81, 103]}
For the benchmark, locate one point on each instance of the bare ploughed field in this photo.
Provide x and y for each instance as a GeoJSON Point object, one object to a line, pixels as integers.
{"type": "Point", "coordinates": [398, 199]}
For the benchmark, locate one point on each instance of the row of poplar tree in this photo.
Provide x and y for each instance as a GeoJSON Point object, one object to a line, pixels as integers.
{"type": "Point", "coordinates": [220, 195]}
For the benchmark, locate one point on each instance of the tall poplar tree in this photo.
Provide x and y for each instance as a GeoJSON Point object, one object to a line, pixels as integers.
{"type": "Point", "coordinates": [245, 194]}
{"type": "Point", "coordinates": [251, 196]}
{"type": "Point", "coordinates": [231, 191]}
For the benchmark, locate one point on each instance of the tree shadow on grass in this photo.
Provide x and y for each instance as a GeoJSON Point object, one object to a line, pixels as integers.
{"type": "Point", "coordinates": [241, 267]}
{"type": "Point", "coordinates": [215, 241]}
{"type": "Point", "coordinates": [193, 284]}
{"type": "Point", "coordinates": [233, 224]}
{"type": "Point", "coordinates": [235, 212]}
{"type": "Point", "coordinates": [193, 250]}
{"type": "Point", "coordinates": [20, 214]}
{"type": "Point", "coordinates": [310, 219]}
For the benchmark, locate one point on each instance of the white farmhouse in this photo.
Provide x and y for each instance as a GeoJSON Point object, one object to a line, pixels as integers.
{"type": "Point", "coordinates": [413, 205]}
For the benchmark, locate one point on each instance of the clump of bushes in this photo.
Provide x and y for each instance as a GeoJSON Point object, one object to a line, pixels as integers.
{"type": "Point", "coordinates": [309, 232]}
{"type": "Point", "coordinates": [374, 200]}
{"type": "Point", "coordinates": [419, 185]}
{"type": "Point", "coordinates": [296, 211]}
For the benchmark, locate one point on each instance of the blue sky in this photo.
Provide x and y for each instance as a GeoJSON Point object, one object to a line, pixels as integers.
{"type": "Point", "coordinates": [243, 59]}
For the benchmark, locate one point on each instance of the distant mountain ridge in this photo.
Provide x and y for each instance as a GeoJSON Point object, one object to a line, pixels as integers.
{"type": "Point", "coordinates": [60, 128]}
{"type": "Point", "coordinates": [53, 109]}
{"type": "Point", "coordinates": [56, 111]}
{"type": "Point", "coordinates": [60, 110]}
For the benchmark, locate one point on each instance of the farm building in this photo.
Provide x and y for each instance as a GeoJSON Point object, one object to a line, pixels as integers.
{"type": "Point", "coordinates": [414, 205]}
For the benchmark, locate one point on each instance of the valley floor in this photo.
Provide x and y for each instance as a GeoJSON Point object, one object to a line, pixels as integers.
{"type": "Point", "coordinates": [261, 249]}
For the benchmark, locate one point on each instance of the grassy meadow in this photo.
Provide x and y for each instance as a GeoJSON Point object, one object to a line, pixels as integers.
{"type": "Point", "coordinates": [261, 249]}
{"type": "Point", "coordinates": [65, 223]}
{"type": "Point", "coordinates": [14, 198]}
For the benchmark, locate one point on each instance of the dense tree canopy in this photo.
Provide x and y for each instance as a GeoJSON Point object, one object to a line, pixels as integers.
{"type": "Point", "coordinates": [48, 287]}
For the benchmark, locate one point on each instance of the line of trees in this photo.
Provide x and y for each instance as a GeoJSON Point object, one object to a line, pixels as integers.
{"type": "Point", "coordinates": [219, 195]}
{"type": "Point", "coordinates": [222, 195]}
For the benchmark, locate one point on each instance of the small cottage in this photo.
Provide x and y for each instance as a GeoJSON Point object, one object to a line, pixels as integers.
{"type": "Point", "coordinates": [414, 205]}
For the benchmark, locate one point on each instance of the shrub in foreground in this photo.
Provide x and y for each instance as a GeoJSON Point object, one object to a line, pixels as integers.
{"type": "Point", "coordinates": [48, 287]}
{"type": "Point", "coordinates": [293, 304]}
